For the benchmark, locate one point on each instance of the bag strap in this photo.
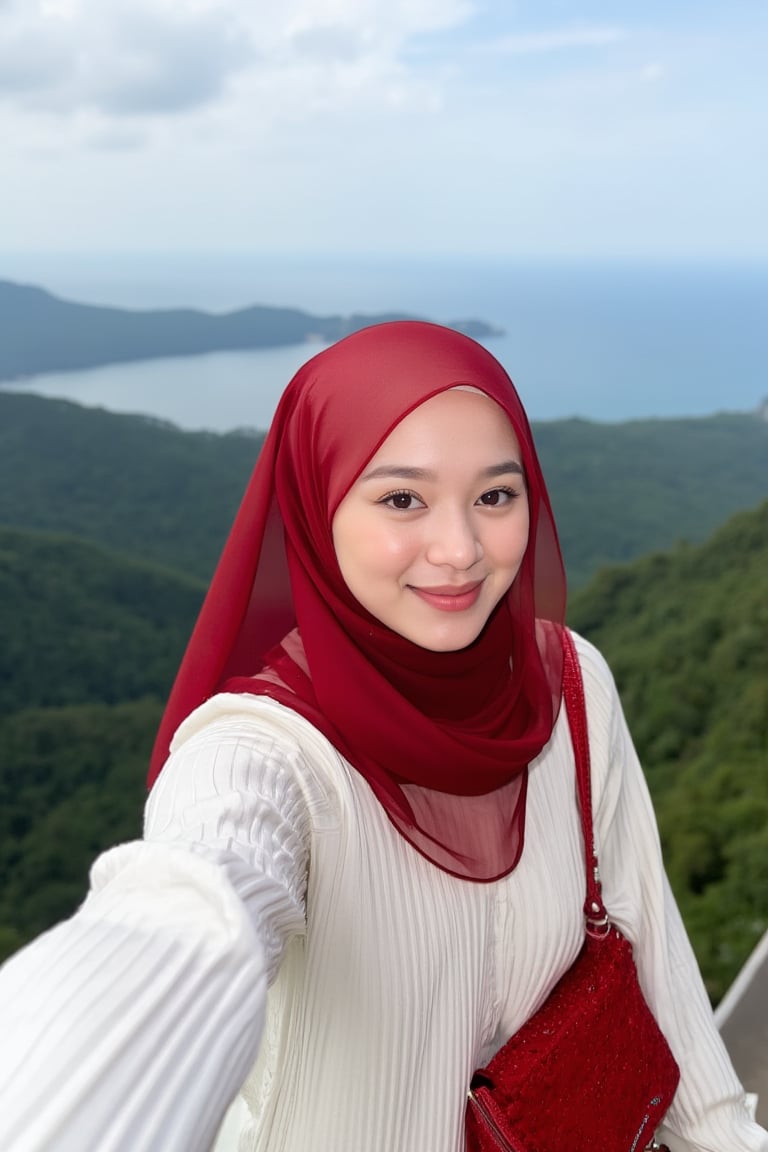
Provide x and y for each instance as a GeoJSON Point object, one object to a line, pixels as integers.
{"type": "Point", "coordinates": [595, 915]}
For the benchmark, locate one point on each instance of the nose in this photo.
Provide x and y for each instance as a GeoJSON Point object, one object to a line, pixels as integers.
{"type": "Point", "coordinates": [454, 540]}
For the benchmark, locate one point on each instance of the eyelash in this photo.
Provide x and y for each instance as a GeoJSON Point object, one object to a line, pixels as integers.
{"type": "Point", "coordinates": [393, 496]}
{"type": "Point", "coordinates": [385, 500]}
{"type": "Point", "coordinates": [509, 492]}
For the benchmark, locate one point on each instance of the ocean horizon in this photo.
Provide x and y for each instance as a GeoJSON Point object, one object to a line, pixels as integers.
{"type": "Point", "coordinates": [601, 341]}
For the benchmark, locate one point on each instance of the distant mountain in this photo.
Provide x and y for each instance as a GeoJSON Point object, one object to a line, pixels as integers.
{"type": "Point", "coordinates": [138, 485]}
{"type": "Point", "coordinates": [81, 624]}
{"type": "Point", "coordinates": [146, 488]}
{"type": "Point", "coordinates": [41, 333]}
{"type": "Point", "coordinates": [622, 490]}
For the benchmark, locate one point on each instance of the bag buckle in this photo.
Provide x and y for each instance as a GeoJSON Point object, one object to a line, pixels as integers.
{"type": "Point", "coordinates": [596, 921]}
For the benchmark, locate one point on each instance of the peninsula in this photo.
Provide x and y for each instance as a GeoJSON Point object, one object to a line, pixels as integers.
{"type": "Point", "coordinates": [40, 332]}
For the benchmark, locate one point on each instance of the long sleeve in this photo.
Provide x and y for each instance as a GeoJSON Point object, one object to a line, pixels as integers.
{"type": "Point", "coordinates": [708, 1113]}
{"type": "Point", "coordinates": [131, 1026]}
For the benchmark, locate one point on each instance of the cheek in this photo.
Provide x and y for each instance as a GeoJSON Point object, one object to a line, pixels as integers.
{"type": "Point", "coordinates": [523, 530]}
{"type": "Point", "coordinates": [383, 553]}
{"type": "Point", "coordinates": [522, 544]}
{"type": "Point", "coordinates": [513, 545]}
{"type": "Point", "coordinates": [366, 547]}
{"type": "Point", "coordinates": [395, 547]}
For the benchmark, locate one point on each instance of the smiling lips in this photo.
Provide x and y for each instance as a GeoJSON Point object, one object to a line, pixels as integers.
{"type": "Point", "coordinates": [450, 598]}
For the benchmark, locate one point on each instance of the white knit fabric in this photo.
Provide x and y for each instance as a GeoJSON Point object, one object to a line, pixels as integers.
{"type": "Point", "coordinates": [132, 1026]}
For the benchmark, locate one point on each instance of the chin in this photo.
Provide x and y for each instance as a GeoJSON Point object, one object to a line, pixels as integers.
{"type": "Point", "coordinates": [453, 643]}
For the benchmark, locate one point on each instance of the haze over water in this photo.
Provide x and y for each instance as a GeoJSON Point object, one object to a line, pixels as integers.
{"type": "Point", "coordinates": [610, 341]}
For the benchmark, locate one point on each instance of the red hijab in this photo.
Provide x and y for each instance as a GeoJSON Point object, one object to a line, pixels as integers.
{"type": "Point", "coordinates": [442, 738]}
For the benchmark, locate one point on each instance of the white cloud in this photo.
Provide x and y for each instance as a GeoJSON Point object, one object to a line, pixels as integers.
{"type": "Point", "coordinates": [555, 40]}
{"type": "Point", "coordinates": [653, 71]}
{"type": "Point", "coordinates": [120, 58]}
{"type": "Point", "coordinates": [146, 58]}
{"type": "Point", "coordinates": [374, 123]}
{"type": "Point", "coordinates": [117, 138]}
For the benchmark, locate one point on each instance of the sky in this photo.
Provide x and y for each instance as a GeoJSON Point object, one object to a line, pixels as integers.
{"type": "Point", "coordinates": [537, 129]}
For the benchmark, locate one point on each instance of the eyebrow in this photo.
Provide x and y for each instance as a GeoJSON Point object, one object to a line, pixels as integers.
{"type": "Point", "coordinates": [404, 472]}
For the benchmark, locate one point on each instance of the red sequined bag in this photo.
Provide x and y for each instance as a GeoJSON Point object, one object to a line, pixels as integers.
{"type": "Point", "coordinates": [591, 1069]}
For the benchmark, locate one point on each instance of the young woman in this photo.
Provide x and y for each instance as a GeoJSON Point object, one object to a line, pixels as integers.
{"type": "Point", "coordinates": [363, 797]}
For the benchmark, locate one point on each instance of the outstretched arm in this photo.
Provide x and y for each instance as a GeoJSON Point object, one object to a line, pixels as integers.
{"type": "Point", "coordinates": [132, 1025]}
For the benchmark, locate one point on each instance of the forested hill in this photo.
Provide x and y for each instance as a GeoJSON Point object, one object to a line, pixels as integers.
{"type": "Point", "coordinates": [79, 623]}
{"type": "Point", "coordinates": [145, 487]}
{"type": "Point", "coordinates": [41, 333]}
{"type": "Point", "coordinates": [133, 483]}
{"type": "Point", "coordinates": [89, 644]}
{"type": "Point", "coordinates": [686, 634]}
{"type": "Point", "coordinates": [90, 641]}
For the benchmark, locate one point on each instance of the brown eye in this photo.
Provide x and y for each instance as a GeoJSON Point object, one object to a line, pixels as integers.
{"type": "Point", "coordinates": [402, 501]}
{"type": "Point", "coordinates": [496, 497]}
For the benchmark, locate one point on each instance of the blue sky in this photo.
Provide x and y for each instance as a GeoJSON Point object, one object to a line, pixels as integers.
{"type": "Point", "coordinates": [543, 129]}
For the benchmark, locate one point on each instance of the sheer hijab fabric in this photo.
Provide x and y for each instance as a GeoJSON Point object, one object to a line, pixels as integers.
{"type": "Point", "coordinates": [444, 739]}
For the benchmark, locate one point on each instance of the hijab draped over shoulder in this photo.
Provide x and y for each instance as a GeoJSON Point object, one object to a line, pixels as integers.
{"type": "Point", "coordinates": [444, 739]}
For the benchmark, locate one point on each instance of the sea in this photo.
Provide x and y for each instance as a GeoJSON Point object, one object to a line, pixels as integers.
{"type": "Point", "coordinates": [602, 340]}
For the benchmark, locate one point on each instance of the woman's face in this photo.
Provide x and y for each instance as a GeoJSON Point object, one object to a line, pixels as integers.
{"type": "Point", "coordinates": [433, 532]}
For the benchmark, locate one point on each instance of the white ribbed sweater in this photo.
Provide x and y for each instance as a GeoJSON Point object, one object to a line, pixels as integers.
{"type": "Point", "coordinates": [131, 1027]}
